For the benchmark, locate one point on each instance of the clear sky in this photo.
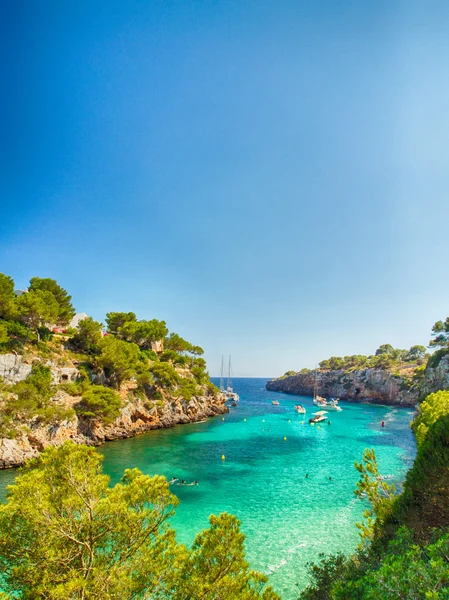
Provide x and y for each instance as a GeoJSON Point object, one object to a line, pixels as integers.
{"type": "Point", "coordinates": [269, 177]}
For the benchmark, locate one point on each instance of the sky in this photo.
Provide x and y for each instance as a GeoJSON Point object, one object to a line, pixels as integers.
{"type": "Point", "coordinates": [269, 177]}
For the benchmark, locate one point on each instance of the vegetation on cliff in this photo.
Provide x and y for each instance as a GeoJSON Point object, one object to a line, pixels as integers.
{"type": "Point", "coordinates": [405, 538]}
{"type": "Point", "coordinates": [129, 359]}
{"type": "Point", "coordinates": [65, 534]}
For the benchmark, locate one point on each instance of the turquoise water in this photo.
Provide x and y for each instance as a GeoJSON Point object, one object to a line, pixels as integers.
{"type": "Point", "coordinates": [288, 519]}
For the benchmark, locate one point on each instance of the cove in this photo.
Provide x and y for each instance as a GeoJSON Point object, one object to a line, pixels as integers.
{"type": "Point", "coordinates": [288, 519]}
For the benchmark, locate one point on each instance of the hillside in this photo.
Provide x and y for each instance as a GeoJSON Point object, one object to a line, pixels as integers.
{"type": "Point", "coordinates": [395, 377]}
{"type": "Point", "coordinates": [91, 383]}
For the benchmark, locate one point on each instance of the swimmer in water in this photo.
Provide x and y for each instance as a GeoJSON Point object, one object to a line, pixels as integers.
{"type": "Point", "coordinates": [173, 480]}
{"type": "Point", "coordinates": [307, 476]}
{"type": "Point", "coordinates": [330, 478]}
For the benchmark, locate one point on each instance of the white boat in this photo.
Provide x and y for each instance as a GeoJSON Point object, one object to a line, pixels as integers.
{"type": "Point", "coordinates": [228, 392]}
{"type": "Point", "coordinates": [275, 403]}
{"type": "Point", "coordinates": [333, 404]}
{"type": "Point", "coordinates": [300, 409]}
{"type": "Point", "coordinates": [318, 400]}
{"type": "Point", "coordinates": [319, 417]}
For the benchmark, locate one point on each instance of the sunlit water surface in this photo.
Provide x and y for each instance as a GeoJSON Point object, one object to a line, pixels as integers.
{"type": "Point", "coordinates": [288, 519]}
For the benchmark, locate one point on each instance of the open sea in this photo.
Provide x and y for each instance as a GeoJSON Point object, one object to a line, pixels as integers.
{"type": "Point", "coordinates": [288, 519]}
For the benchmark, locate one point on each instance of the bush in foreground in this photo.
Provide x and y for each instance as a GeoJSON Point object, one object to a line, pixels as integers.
{"type": "Point", "coordinates": [64, 534]}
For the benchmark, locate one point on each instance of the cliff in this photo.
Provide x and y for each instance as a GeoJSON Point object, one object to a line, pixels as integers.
{"type": "Point", "coordinates": [367, 385]}
{"type": "Point", "coordinates": [139, 414]}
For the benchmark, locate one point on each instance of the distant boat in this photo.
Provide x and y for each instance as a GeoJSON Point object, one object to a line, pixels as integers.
{"type": "Point", "coordinates": [322, 402]}
{"type": "Point", "coordinates": [300, 409]}
{"type": "Point", "coordinates": [319, 417]}
{"type": "Point", "coordinates": [275, 402]}
{"type": "Point", "coordinates": [228, 392]}
{"type": "Point", "coordinates": [333, 404]}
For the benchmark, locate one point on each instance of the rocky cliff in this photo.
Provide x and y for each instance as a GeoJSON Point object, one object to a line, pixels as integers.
{"type": "Point", "coordinates": [367, 385]}
{"type": "Point", "coordinates": [138, 415]}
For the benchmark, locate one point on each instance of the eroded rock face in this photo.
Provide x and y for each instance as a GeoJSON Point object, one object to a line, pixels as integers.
{"type": "Point", "coordinates": [136, 417]}
{"type": "Point", "coordinates": [14, 368]}
{"type": "Point", "coordinates": [366, 385]}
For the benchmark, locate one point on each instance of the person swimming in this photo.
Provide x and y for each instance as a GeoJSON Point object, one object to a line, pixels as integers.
{"type": "Point", "coordinates": [307, 476]}
{"type": "Point", "coordinates": [173, 480]}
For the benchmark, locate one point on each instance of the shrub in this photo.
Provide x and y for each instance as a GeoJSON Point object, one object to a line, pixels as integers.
{"type": "Point", "coordinates": [99, 402]}
{"type": "Point", "coordinates": [434, 406]}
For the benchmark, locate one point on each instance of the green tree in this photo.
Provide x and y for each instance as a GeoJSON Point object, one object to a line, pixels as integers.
{"type": "Point", "coordinates": [17, 333]}
{"type": "Point", "coordinates": [143, 333]}
{"type": "Point", "coordinates": [66, 311]}
{"type": "Point", "coordinates": [373, 487]}
{"type": "Point", "coordinates": [115, 320]}
{"type": "Point", "coordinates": [66, 535]}
{"type": "Point", "coordinates": [415, 353]}
{"type": "Point", "coordinates": [385, 349]}
{"type": "Point", "coordinates": [218, 555]}
{"type": "Point", "coordinates": [99, 403]}
{"type": "Point", "coordinates": [178, 344]}
{"type": "Point", "coordinates": [4, 337]}
{"type": "Point", "coordinates": [164, 374]}
{"type": "Point", "coordinates": [440, 334]}
{"type": "Point", "coordinates": [36, 309]}
{"type": "Point", "coordinates": [430, 410]}
{"type": "Point", "coordinates": [119, 359]}
{"type": "Point", "coordinates": [6, 295]}
{"type": "Point", "coordinates": [336, 363]}
{"type": "Point", "coordinates": [88, 335]}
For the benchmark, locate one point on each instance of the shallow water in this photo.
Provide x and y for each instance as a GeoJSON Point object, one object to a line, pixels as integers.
{"type": "Point", "coordinates": [288, 519]}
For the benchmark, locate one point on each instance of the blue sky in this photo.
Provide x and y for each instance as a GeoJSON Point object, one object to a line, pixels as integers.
{"type": "Point", "coordinates": [270, 178]}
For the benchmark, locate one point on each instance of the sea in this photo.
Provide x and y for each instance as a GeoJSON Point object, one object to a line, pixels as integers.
{"type": "Point", "coordinates": [290, 484]}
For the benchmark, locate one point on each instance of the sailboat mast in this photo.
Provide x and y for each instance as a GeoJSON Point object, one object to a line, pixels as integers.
{"type": "Point", "coordinates": [221, 374]}
{"type": "Point", "coordinates": [229, 374]}
{"type": "Point", "coordinates": [314, 385]}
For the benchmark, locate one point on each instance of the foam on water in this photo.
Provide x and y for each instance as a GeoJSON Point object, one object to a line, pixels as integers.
{"type": "Point", "coordinates": [288, 519]}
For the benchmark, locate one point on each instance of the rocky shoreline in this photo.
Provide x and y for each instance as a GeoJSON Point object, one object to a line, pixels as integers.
{"type": "Point", "coordinates": [378, 386]}
{"type": "Point", "coordinates": [137, 416]}
{"type": "Point", "coordinates": [135, 419]}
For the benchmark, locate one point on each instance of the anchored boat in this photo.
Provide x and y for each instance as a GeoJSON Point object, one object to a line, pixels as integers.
{"type": "Point", "coordinates": [228, 392]}
{"type": "Point", "coordinates": [319, 417]}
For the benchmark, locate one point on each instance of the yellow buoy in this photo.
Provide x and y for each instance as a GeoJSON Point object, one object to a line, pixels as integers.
{"type": "Point", "coordinates": [285, 439]}
{"type": "Point", "coordinates": [223, 457]}
{"type": "Point", "coordinates": [312, 423]}
{"type": "Point", "coordinates": [222, 418]}
{"type": "Point", "coordinates": [319, 426]}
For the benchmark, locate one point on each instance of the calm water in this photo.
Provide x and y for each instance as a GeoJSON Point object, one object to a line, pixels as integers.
{"type": "Point", "coordinates": [288, 519]}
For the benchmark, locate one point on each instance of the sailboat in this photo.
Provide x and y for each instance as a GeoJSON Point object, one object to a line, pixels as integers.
{"type": "Point", "coordinates": [319, 400]}
{"type": "Point", "coordinates": [228, 392]}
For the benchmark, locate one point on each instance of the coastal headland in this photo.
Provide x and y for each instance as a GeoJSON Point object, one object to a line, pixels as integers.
{"type": "Point", "coordinates": [401, 387]}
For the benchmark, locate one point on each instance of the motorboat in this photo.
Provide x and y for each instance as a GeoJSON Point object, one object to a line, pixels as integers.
{"type": "Point", "coordinates": [318, 417]}
{"type": "Point", "coordinates": [300, 409]}
{"type": "Point", "coordinates": [333, 404]}
{"type": "Point", "coordinates": [275, 402]}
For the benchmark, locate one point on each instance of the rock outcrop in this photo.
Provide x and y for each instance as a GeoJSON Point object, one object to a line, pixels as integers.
{"type": "Point", "coordinates": [137, 416]}
{"type": "Point", "coordinates": [366, 385]}
{"type": "Point", "coordinates": [14, 368]}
